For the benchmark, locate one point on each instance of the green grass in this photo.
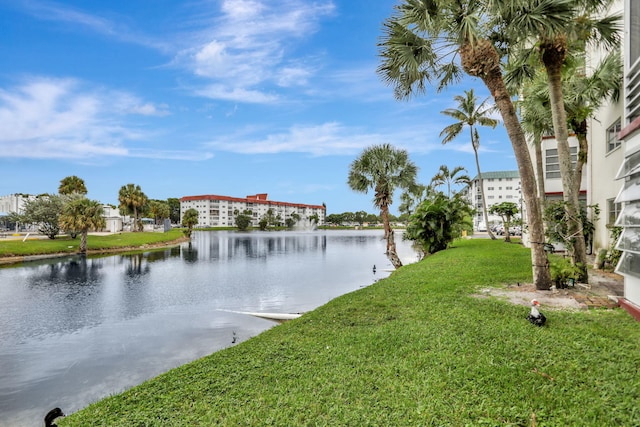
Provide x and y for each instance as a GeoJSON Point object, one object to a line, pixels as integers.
{"type": "Point", "coordinates": [414, 349]}
{"type": "Point", "coordinates": [64, 244]}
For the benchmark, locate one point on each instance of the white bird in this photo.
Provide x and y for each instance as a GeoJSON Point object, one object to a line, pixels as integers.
{"type": "Point", "coordinates": [535, 316]}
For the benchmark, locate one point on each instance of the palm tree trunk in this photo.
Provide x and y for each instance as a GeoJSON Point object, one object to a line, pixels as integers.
{"type": "Point", "coordinates": [392, 254]}
{"type": "Point", "coordinates": [480, 183]}
{"type": "Point", "coordinates": [576, 243]}
{"type": "Point", "coordinates": [483, 61]}
{"type": "Point", "coordinates": [83, 241]}
{"type": "Point", "coordinates": [539, 169]}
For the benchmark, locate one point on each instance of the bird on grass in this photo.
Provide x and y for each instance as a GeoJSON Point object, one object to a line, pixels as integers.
{"type": "Point", "coordinates": [52, 415]}
{"type": "Point", "coordinates": [535, 316]}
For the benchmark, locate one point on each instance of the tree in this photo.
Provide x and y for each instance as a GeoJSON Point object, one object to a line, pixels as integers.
{"type": "Point", "coordinates": [437, 221]}
{"type": "Point", "coordinates": [44, 211]}
{"type": "Point", "coordinates": [581, 25]}
{"type": "Point", "coordinates": [469, 113]}
{"type": "Point", "coordinates": [384, 169]}
{"type": "Point", "coordinates": [536, 121]}
{"type": "Point", "coordinates": [243, 220]}
{"type": "Point", "coordinates": [450, 177]}
{"type": "Point", "coordinates": [189, 219]}
{"type": "Point", "coordinates": [72, 184]}
{"type": "Point", "coordinates": [82, 215]}
{"type": "Point", "coordinates": [506, 210]}
{"type": "Point", "coordinates": [174, 209]}
{"type": "Point", "coordinates": [159, 210]}
{"type": "Point", "coordinates": [433, 42]}
{"type": "Point", "coordinates": [132, 201]}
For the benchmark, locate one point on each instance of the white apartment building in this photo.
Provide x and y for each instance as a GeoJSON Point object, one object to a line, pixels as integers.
{"type": "Point", "coordinates": [629, 173]}
{"type": "Point", "coordinates": [14, 203]}
{"type": "Point", "coordinates": [219, 211]}
{"type": "Point", "coordinates": [500, 186]}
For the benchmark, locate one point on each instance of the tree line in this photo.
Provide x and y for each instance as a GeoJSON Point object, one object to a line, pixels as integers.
{"type": "Point", "coordinates": [71, 212]}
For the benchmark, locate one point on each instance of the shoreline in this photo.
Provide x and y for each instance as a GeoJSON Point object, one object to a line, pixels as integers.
{"type": "Point", "coordinates": [10, 260]}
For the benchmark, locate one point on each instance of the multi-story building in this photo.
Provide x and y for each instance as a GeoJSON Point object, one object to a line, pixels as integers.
{"type": "Point", "coordinates": [500, 186]}
{"type": "Point", "coordinates": [14, 203]}
{"type": "Point", "coordinates": [220, 211]}
{"type": "Point", "coordinates": [629, 173]}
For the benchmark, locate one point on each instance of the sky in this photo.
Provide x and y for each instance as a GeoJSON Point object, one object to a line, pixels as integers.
{"type": "Point", "coordinates": [226, 97]}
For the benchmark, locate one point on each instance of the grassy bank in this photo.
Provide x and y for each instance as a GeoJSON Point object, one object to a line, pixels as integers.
{"type": "Point", "coordinates": [414, 349]}
{"type": "Point", "coordinates": [65, 244]}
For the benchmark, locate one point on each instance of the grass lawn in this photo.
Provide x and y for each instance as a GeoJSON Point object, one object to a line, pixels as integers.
{"type": "Point", "coordinates": [414, 349]}
{"type": "Point", "coordinates": [65, 244]}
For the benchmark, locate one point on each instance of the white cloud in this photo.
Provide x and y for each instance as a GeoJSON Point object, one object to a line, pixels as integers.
{"type": "Point", "coordinates": [62, 118]}
{"type": "Point", "coordinates": [52, 11]}
{"type": "Point", "coordinates": [217, 91]}
{"type": "Point", "coordinates": [251, 44]}
{"type": "Point", "coordinates": [320, 140]}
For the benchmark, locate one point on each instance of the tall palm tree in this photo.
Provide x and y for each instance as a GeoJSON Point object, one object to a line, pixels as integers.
{"type": "Point", "coordinates": [82, 215]}
{"type": "Point", "coordinates": [132, 200]}
{"type": "Point", "coordinates": [469, 113]}
{"type": "Point", "coordinates": [456, 176]}
{"type": "Point", "coordinates": [583, 95]}
{"type": "Point", "coordinates": [384, 169]}
{"type": "Point", "coordinates": [536, 122]}
{"type": "Point", "coordinates": [434, 42]}
{"type": "Point", "coordinates": [582, 25]}
{"type": "Point", "coordinates": [72, 184]}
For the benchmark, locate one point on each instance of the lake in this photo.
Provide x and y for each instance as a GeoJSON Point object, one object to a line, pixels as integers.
{"type": "Point", "coordinates": [74, 330]}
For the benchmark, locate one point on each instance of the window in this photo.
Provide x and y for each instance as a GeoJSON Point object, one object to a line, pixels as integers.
{"type": "Point", "coordinates": [490, 188]}
{"type": "Point", "coordinates": [612, 135]}
{"type": "Point", "coordinates": [613, 210]}
{"type": "Point", "coordinates": [553, 163]}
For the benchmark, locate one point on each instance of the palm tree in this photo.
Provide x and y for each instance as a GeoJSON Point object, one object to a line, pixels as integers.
{"type": "Point", "coordinates": [456, 176]}
{"type": "Point", "coordinates": [384, 169]}
{"type": "Point", "coordinates": [433, 42]}
{"type": "Point", "coordinates": [553, 47]}
{"type": "Point", "coordinates": [470, 114]}
{"type": "Point", "coordinates": [536, 122]}
{"type": "Point", "coordinates": [72, 184]}
{"type": "Point", "coordinates": [189, 219]}
{"type": "Point", "coordinates": [82, 215]}
{"type": "Point", "coordinates": [132, 200]}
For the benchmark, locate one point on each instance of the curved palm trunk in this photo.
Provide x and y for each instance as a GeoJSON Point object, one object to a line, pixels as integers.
{"type": "Point", "coordinates": [392, 254]}
{"type": "Point", "coordinates": [482, 61]}
{"type": "Point", "coordinates": [577, 247]}
{"type": "Point", "coordinates": [480, 182]}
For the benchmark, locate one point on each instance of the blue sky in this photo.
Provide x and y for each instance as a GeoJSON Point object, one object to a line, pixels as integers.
{"type": "Point", "coordinates": [230, 97]}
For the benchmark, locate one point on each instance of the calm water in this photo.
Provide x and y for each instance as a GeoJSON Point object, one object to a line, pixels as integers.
{"type": "Point", "coordinates": [74, 330]}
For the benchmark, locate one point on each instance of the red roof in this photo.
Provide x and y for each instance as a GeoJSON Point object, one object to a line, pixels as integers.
{"type": "Point", "coordinates": [258, 198]}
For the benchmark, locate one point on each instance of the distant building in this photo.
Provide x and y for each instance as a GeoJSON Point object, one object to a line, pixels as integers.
{"type": "Point", "coordinates": [14, 203]}
{"type": "Point", "coordinates": [220, 211]}
{"type": "Point", "coordinates": [500, 186]}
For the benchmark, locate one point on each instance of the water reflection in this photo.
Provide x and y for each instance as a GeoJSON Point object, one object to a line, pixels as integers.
{"type": "Point", "coordinates": [114, 321]}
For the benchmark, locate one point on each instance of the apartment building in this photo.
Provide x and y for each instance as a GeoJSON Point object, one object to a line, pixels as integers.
{"type": "Point", "coordinates": [500, 186]}
{"type": "Point", "coordinates": [220, 211]}
{"type": "Point", "coordinates": [14, 203]}
{"type": "Point", "coordinates": [629, 172]}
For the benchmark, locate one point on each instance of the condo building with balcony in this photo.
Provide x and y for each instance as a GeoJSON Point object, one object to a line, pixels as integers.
{"type": "Point", "coordinates": [499, 186]}
{"type": "Point", "coordinates": [221, 211]}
